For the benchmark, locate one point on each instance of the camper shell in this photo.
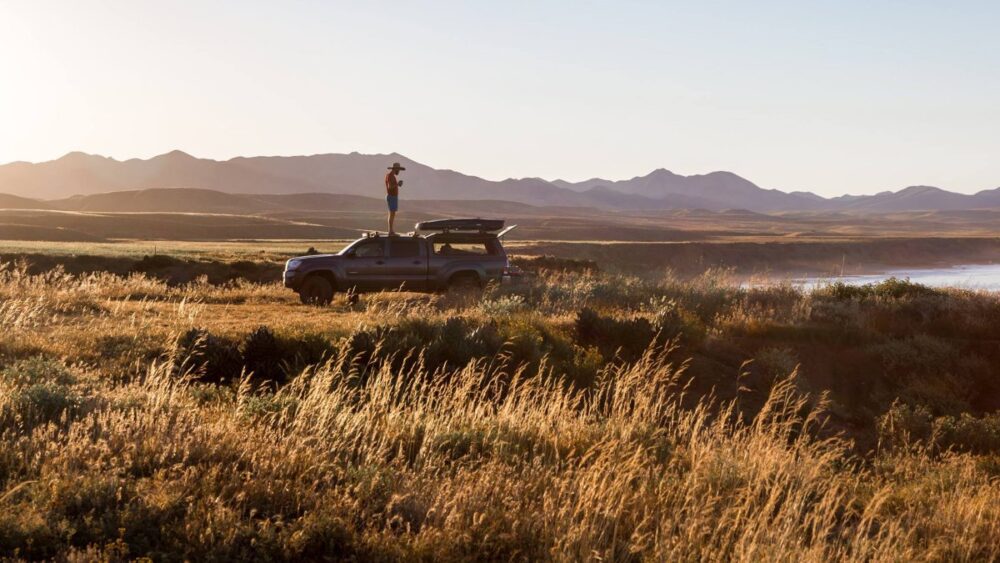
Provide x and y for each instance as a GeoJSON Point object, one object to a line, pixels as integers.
{"type": "Point", "coordinates": [462, 225]}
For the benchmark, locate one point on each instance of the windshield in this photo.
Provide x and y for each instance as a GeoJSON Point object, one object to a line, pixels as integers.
{"type": "Point", "coordinates": [375, 246]}
{"type": "Point", "coordinates": [349, 246]}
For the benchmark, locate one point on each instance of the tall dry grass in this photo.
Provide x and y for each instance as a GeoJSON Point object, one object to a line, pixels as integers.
{"type": "Point", "coordinates": [473, 465]}
{"type": "Point", "coordinates": [383, 456]}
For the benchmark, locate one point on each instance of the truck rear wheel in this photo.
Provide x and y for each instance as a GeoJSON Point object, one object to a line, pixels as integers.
{"type": "Point", "coordinates": [464, 282]}
{"type": "Point", "coordinates": [316, 290]}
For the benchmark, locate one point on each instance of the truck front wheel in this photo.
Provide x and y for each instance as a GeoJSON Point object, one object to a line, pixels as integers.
{"type": "Point", "coordinates": [316, 290]}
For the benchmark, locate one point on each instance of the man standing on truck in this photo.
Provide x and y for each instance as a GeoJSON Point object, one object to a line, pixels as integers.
{"type": "Point", "coordinates": [392, 185]}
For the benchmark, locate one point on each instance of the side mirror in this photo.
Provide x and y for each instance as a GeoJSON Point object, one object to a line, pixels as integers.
{"type": "Point", "coordinates": [351, 254]}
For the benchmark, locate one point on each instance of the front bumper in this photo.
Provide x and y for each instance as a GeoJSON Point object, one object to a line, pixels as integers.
{"type": "Point", "coordinates": [292, 279]}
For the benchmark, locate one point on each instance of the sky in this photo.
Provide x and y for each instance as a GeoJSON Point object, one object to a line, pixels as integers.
{"type": "Point", "coordinates": [832, 97]}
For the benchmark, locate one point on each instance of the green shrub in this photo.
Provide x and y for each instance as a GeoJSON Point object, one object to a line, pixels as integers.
{"type": "Point", "coordinates": [44, 402]}
{"type": "Point", "coordinates": [554, 264]}
{"type": "Point", "coordinates": [502, 306]}
{"type": "Point", "coordinates": [672, 320]}
{"type": "Point", "coordinates": [586, 364]}
{"type": "Point", "coordinates": [37, 390]}
{"type": "Point", "coordinates": [892, 288]}
{"type": "Point", "coordinates": [627, 338]}
{"type": "Point", "coordinates": [244, 266]}
{"type": "Point", "coordinates": [262, 355]}
{"type": "Point", "coordinates": [304, 350]}
{"type": "Point", "coordinates": [35, 370]}
{"type": "Point", "coordinates": [835, 312]}
{"type": "Point", "coordinates": [360, 345]}
{"type": "Point", "coordinates": [710, 294]}
{"type": "Point", "coordinates": [26, 534]}
{"type": "Point", "coordinates": [155, 263]}
{"type": "Point", "coordinates": [452, 343]}
{"type": "Point", "coordinates": [919, 354]}
{"type": "Point", "coordinates": [905, 425]}
{"type": "Point", "coordinates": [210, 358]}
{"type": "Point", "coordinates": [969, 433]}
{"type": "Point", "coordinates": [524, 343]}
{"type": "Point", "coordinates": [777, 362]}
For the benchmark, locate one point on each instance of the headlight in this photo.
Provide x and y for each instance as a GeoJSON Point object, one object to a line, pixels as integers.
{"type": "Point", "coordinates": [293, 264]}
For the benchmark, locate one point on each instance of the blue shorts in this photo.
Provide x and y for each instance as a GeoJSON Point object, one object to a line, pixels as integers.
{"type": "Point", "coordinates": [393, 202]}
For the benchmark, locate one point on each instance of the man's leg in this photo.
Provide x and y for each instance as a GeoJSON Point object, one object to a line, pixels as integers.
{"type": "Point", "coordinates": [392, 220]}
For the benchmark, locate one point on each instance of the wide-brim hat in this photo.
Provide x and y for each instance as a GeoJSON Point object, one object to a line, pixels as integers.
{"type": "Point", "coordinates": [395, 166]}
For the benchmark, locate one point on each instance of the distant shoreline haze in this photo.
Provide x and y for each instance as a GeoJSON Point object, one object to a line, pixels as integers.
{"type": "Point", "coordinates": [81, 174]}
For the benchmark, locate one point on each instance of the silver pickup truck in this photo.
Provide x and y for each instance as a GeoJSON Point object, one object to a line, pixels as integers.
{"type": "Point", "coordinates": [453, 253]}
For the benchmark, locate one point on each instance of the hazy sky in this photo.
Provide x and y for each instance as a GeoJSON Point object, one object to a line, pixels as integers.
{"type": "Point", "coordinates": [834, 97]}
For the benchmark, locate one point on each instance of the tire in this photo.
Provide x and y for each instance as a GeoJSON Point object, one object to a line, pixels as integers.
{"type": "Point", "coordinates": [316, 290]}
{"type": "Point", "coordinates": [464, 282]}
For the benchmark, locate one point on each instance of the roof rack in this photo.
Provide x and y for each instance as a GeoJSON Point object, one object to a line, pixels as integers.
{"type": "Point", "coordinates": [376, 234]}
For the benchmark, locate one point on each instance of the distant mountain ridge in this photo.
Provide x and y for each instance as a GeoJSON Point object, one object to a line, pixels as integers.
{"type": "Point", "coordinates": [361, 175]}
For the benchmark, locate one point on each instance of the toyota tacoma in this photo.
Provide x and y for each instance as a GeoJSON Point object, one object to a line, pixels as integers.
{"type": "Point", "coordinates": [439, 255]}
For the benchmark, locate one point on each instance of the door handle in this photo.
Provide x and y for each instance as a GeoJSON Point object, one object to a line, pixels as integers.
{"type": "Point", "coordinates": [379, 262]}
{"type": "Point", "coordinates": [417, 262]}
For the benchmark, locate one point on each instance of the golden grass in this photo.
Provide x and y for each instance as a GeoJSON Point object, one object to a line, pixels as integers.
{"type": "Point", "coordinates": [221, 250]}
{"type": "Point", "coordinates": [119, 453]}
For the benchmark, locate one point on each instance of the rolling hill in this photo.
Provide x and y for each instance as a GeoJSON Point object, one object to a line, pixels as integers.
{"type": "Point", "coordinates": [8, 201]}
{"type": "Point", "coordinates": [198, 214]}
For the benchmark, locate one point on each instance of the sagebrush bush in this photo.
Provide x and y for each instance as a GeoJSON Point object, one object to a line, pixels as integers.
{"type": "Point", "coordinates": [674, 321]}
{"type": "Point", "coordinates": [892, 288]}
{"type": "Point", "coordinates": [503, 306]}
{"type": "Point", "coordinates": [626, 338]}
{"type": "Point", "coordinates": [37, 370]}
{"type": "Point", "coordinates": [776, 363]}
{"type": "Point", "coordinates": [263, 355]}
{"type": "Point", "coordinates": [904, 426]}
{"type": "Point", "coordinates": [208, 357]}
{"type": "Point", "coordinates": [918, 354]}
{"type": "Point", "coordinates": [35, 391]}
{"type": "Point", "coordinates": [39, 403]}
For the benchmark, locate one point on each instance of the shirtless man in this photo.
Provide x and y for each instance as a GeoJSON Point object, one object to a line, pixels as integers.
{"type": "Point", "coordinates": [392, 185]}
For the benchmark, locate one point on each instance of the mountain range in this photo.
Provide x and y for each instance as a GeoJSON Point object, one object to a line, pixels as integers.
{"type": "Point", "coordinates": [79, 174]}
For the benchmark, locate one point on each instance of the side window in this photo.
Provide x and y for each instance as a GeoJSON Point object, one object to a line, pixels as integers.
{"type": "Point", "coordinates": [462, 249]}
{"type": "Point", "coordinates": [404, 248]}
{"type": "Point", "coordinates": [370, 249]}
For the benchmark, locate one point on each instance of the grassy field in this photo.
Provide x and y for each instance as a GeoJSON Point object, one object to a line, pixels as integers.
{"type": "Point", "coordinates": [224, 250]}
{"type": "Point", "coordinates": [779, 258]}
{"type": "Point", "coordinates": [584, 414]}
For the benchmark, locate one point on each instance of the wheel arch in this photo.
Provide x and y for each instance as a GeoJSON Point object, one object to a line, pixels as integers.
{"type": "Point", "coordinates": [463, 271]}
{"type": "Point", "coordinates": [328, 275]}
